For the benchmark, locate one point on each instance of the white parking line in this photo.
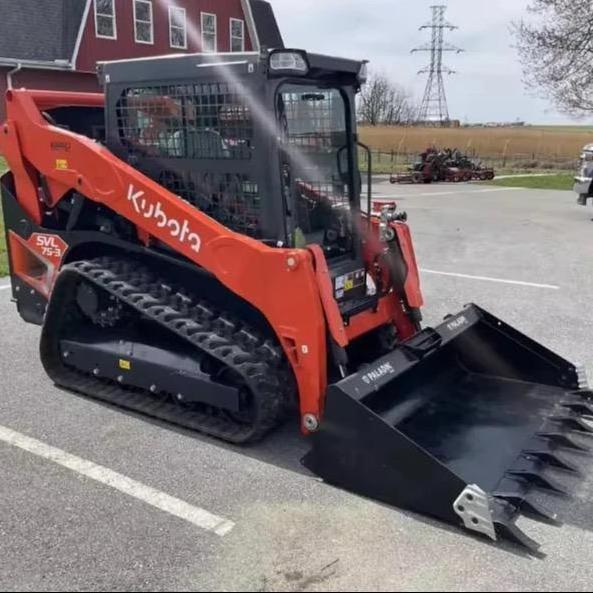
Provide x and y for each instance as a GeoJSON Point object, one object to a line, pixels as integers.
{"type": "Point", "coordinates": [5, 287]}
{"type": "Point", "coordinates": [496, 189]}
{"type": "Point", "coordinates": [526, 175]}
{"type": "Point", "coordinates": [442, 193]}
{"type": "Point", "coordinates": [174, 506]}
{"type": "Point", "coordinates": [489, 279]}
{"type": "Point", "coordinates": [447, 193]}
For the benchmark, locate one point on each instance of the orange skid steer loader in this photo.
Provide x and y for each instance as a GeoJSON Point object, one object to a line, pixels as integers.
{"type": "Point", "coordinates": [196, 247]}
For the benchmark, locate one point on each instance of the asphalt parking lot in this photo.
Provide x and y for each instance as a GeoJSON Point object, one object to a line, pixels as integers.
{"type": "Point", "coordinates": [524, 255]}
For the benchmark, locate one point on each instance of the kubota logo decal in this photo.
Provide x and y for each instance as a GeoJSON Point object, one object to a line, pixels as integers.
{"type": "Point", "coordinates": [179, 230]}
{"type": "Point", "coordinates": [378, 373]}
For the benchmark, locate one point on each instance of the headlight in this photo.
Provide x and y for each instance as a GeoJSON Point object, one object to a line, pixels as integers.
{"type": "Point", "coordinates": [363, 73]}
{"type": "Point", "coordinates": [291, 62]}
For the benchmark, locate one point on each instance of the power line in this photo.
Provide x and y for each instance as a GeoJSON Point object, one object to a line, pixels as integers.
{"type": "Point", "coordinates": [434, 106]}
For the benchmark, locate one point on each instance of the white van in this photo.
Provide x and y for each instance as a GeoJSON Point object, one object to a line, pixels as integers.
{"type": "Point", "coordinates": [584, 181]}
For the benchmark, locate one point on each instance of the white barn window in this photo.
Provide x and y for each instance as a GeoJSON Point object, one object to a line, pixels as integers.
{"type": "Point", "coordinates": [143, 22]}
{"type": "Point", "coordinates": [237, 35]}
{"type": "Point", "coordinates": [177, 27]}
{"type": "Point", "coordinates": [105, 19]}
{"type": "Point", "coordinates": [209, 33]}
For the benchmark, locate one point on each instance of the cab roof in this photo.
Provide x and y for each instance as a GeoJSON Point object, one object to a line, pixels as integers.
{"type": "Point", "coordinates": [187, 66]}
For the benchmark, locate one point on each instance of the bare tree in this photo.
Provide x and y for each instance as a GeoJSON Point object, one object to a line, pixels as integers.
{"type": "Point", "coordinates": [382, 102]}
{"type": "Point", "coordinates": [556, 50]}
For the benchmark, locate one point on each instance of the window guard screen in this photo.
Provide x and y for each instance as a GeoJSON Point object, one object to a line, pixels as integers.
{"type": "Point", "coordinates": [196, 121]}
{"type": "Point", "coordinates": [187, 138]}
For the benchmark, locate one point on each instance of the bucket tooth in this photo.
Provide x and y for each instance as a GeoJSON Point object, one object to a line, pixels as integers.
{"type": "Point", "coordinates": [528, 507]}
{"type": "Point", "coordinates": [579, 407]}
{"type": "Point", "coordinates": [572, 422]}
{"type": "Point", "coordinates": [537, 479]}
{"type": "Point", "coordinates": [583, 394]}
{"type": "Point", "coordinates": [508, 530]}
{"type": "Point", "coordinates": [582, 376]}
{"type": "Point", "coordinates": [553, 459]}
{"type": "Point", "coordinates": [563, 440]}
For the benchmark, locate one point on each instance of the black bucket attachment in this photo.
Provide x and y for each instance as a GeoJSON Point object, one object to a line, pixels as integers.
{"type": "Point", "coordinates": [460, 423]}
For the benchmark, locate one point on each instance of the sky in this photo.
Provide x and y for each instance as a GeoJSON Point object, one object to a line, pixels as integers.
{"type": "Point", "coordinates": [488, 85]}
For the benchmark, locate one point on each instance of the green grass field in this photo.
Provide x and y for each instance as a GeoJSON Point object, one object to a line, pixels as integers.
{"type": "Point", "coordinates": [3, 255]}
{"type": "Point", "coordinates": [563, 181]}
{"type": "Point", "coordinates": [561, 128]}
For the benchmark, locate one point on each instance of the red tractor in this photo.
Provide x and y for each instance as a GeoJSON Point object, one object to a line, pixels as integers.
{"type": "Point", "coordinates": [447, 165]}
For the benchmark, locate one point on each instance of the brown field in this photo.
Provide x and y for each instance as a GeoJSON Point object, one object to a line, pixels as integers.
{"type": "Point", "coordinates": [538, 143]}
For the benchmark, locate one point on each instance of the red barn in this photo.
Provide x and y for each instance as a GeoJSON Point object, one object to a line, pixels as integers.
{"type": "Point", "coordinates": [56, 44]}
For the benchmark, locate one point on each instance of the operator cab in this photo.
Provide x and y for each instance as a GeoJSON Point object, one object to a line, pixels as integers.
{"type": "Point", "coordinates": [264, 143]}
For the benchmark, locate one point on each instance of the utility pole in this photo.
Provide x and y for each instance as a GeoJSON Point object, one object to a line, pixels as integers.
{"type": "Point", "coordinates": [434, 107]}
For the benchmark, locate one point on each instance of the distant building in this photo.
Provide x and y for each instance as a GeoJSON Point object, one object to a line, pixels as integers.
{"type": "Point", "coordinates": [449, 123]}
{"type": "Point", "coordinates": [56, 44]}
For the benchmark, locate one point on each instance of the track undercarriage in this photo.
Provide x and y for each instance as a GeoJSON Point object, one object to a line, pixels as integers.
{"type": "Point", "coordinates": [213, 357]}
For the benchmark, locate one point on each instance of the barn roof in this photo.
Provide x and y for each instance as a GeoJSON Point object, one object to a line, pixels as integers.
{"type": "Point", "coordinates": [44, 32]}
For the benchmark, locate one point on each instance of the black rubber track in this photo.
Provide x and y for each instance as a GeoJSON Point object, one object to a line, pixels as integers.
{"type": "Point", "coordinates": [255, 357]}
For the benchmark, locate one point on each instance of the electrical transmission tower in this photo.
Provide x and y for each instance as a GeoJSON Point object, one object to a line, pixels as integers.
{"type": "Point", "coordinates": [434, 105]}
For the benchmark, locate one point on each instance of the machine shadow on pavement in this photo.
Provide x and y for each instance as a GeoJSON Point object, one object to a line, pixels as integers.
{"type": "Point", "coordinates": [285, 447]}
